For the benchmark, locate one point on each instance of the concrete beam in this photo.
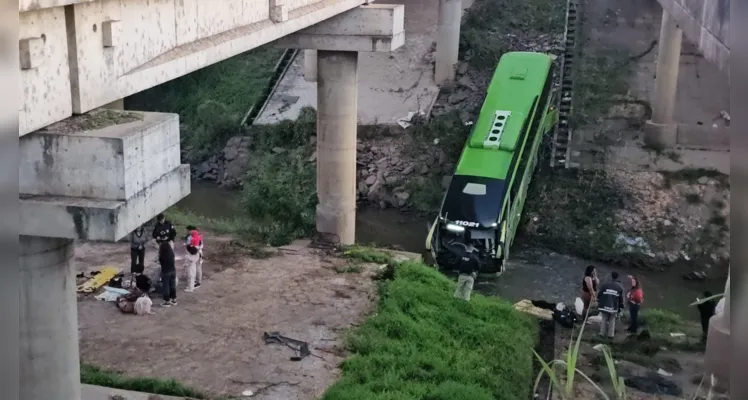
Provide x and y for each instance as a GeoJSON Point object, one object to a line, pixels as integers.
{"type": "Point", "coordinates": [102, 220]}
{"type": "Point", "coordinates": [369, 28]}
{"type": "Point", "coordinates": [448, 42]}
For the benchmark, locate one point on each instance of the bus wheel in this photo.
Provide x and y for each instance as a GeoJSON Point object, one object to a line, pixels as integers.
{"type": "Point", "coordinates": [427, 258]}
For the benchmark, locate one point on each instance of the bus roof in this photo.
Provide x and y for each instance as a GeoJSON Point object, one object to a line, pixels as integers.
{"type": "Point", "coordinates": [518, 79]}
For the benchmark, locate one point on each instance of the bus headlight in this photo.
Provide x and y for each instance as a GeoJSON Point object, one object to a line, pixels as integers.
{"type": "Point", "coordinates": [455, 228]}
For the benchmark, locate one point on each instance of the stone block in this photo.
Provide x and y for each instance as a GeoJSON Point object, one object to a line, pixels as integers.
{"type": "Point", "coordinates": [111, 32]}
{"type": "Point", "coordinates": [103, 220]}
{"type": "Point", "coordinates": [105, 155]}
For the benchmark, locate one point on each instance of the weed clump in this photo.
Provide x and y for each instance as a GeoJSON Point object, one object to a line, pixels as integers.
{"type": "Point", "coordinates": [423, 343]}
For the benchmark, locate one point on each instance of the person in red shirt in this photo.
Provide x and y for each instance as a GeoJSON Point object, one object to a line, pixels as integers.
{"type": "Point", "coordinates": [635, 300]}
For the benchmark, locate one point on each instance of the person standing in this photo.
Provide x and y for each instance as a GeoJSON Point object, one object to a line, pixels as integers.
{"type": "Point", "coordinates": [138, 240]}
{"type": "Point", "coordinates": [610, 303]}
{"type": "Point", "coordinates": [164, 231]}
{"type": "Point", "coordinates": [468, 266]}
{"type": "Point", "coordinates": [707, 309]}
{"type": "Point", "coordinates": [193, 259]}
{"type": "Point", "coordinates": [168, 274]}
{"type": "Point", "coordinates": [590, 282]}
{"type": "Point", "coordinates": [635, 300]}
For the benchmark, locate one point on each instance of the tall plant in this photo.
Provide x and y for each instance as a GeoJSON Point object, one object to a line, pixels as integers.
{"type": "Point", "coordinates": [566, 391]}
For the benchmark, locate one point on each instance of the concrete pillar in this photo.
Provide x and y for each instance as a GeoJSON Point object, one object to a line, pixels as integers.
{"type": "Point", "coordinates": [718, 346]}
{"type": "Point", "coordinates": [50, 366]}
{"type": "Point", "coordinates": [310, 65]}
{"type": "Point", "coordinates": [337, 111]}
{"type": "Point", "coordinates": [661, 129]}
{"type": "Point", "coordinates": [448, 41]}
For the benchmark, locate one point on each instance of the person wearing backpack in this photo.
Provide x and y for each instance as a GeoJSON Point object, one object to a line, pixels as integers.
{"type": "Point", "coordinates": [468, 265]}
{"type": "Point", "coordinates": [193, 259]}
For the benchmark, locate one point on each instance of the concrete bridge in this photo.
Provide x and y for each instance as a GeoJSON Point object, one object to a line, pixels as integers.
{"type": "Point", "coordinates": [89, 170]}
{"type": "Point", "coordinates": [705, 23]}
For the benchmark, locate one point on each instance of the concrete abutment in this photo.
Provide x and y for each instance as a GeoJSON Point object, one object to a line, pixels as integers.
{"type": "Point", "coordinates": [95, 176]}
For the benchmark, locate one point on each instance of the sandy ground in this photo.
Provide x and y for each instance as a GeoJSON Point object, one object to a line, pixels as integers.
{"type": "Point", "coordinates": [212, 340]}
{"type": "Point", "coordinates": [389, 84]}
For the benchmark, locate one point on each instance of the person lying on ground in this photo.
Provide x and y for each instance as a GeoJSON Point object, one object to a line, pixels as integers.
{"type": "Point", "coordinates": [610, 303]}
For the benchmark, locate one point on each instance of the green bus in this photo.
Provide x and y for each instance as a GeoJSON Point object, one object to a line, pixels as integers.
{"type": "Point", "coordinates": [489, 187]}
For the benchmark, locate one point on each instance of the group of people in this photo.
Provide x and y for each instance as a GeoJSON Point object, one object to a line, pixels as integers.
{"type": "Point", "coordinates": [164, 234]}
{"type": "Point", "coordinates": [612, 299]}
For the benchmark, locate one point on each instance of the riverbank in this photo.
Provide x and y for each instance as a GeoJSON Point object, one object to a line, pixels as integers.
{"type": "Point", "coordinates": [353, 314]}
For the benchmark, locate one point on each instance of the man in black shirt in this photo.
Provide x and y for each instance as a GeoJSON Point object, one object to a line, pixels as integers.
{"type": "Point", "coordinates": [469, 265]}
{"type": "Point", "coordinates": [164, 231]}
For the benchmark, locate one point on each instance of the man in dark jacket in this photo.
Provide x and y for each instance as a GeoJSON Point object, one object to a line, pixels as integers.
{"type": "Point", "coordinates": [469, 265]}
{"type": "Point", "coordinates": [706, 312]}
{"type": "Point", "coordinates": [164, 231]}
{"type": "Point", "coordinates": [610, 302]}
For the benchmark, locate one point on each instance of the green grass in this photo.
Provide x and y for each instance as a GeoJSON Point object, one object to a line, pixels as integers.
{"type": "Point", "coordinates": [212, 101]}
{"type": "Point", "coordinates": [424, 344]}
{"type": "Point", "coordinates": [93, 375]}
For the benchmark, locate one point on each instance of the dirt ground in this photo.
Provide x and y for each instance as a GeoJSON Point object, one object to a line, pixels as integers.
{"type": "Point", "coordinates": [213, 340]}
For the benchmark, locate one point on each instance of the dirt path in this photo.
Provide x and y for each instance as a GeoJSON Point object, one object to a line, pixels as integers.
{"type": "Point", "coordinates": [212, 340]}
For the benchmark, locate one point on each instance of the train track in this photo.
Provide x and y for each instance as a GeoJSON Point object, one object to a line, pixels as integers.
{"type": "Point", "coordinates": [280, 69]}
{"type": "Point", "coordinates": [562, 133]}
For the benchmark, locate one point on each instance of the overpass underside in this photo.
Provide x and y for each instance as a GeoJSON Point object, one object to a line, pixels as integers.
{"type": "Point", "coordinates": [706, 24]}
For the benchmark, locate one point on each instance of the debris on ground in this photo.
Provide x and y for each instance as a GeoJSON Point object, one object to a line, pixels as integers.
{"type": "Point", "coordinates": [300, 347]}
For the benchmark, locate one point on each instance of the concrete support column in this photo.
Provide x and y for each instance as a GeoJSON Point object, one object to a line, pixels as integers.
{"type": "Point", "coordinates": [448, 41]}
{"type": "Point", "coordinates": [661, 129]}
{"type": "Point", "coordinates": [718, 346]}
{"type": "Point", "coordinates": [337, 118]}
{"type": "Point", "coordinates": [310, 65]}
{"type": "Point", "coordinates": [50, 366]}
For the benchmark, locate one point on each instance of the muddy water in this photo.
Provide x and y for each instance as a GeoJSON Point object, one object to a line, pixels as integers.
{"type": "Point", "coordinates": [533, 273]}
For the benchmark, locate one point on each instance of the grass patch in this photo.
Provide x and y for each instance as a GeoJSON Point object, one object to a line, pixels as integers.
{"type": "Point", "coordinates": [574, 211]}
{"type": "Point", "coordinates": [93, 375]}
{"type": "Point", "coordinates": [278, 199]}
{"type": "Point", "coordinates": [424, 344]}
{"type": "Point", "coordinates": [488, 23]}
{"type": "Point", "coordinates": [600, 82]}
{"type": "Point", "coordinates": [368, 255]}
{"type": "Point", "coordinates": [211, 101]}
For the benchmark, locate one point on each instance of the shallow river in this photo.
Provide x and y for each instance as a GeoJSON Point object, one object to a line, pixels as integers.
{"type": "Point", "coordinates": [532, 273]}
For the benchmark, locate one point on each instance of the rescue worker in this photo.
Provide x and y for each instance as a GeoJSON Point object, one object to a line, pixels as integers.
{"type": "Point", "coordinates": [468, 266]}
{"type": "Point", "coordinates": [610, 303]}
{"type": "Point", "coordinates": [164, 231]}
